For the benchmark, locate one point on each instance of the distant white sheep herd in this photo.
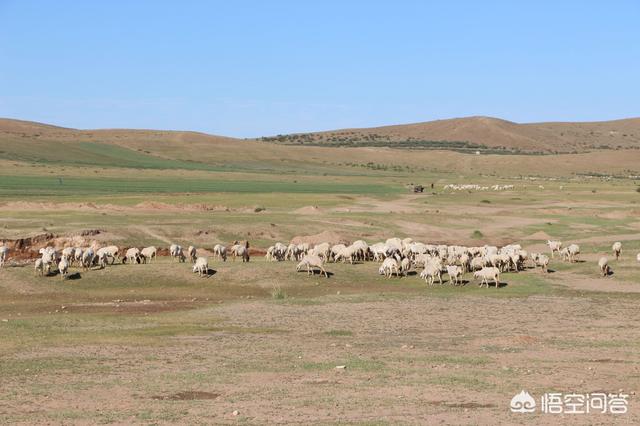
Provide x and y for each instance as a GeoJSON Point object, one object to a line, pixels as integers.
{"type": "Point", "coordinates": [396, 257]}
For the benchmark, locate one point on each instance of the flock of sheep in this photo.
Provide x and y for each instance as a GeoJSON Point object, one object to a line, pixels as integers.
{"type": "Point", "coordinates": [397, 257]}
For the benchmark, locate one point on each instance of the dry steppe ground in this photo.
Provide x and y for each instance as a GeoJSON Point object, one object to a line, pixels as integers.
{"type": "Point", "coordinates": [156, 344]}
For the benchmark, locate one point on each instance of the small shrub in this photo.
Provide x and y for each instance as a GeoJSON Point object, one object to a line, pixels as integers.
{"type": "Point", "coordinates": [485, 201]}
{"type": "Point", "coordinates": [477, 234]}
{"type": "Point", "coordinates": [638, 189]}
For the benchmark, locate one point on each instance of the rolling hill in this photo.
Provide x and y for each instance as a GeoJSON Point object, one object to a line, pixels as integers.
{"type": "Point", "coordinates": [483, 133]}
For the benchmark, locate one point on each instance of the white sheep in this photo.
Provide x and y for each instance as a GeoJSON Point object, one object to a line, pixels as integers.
{"type": "Point", "coordinates": [554, 246]}
{"type": "Point", "coordinates": [191, 252]}
{"type": "Point", "coordinates": [311, 261]}
{"type": "Point", "coordinates": [176, 252]}
{"type": "Point", "coordinates": [112, 252]}
{"type": "Point", "coordinates": [63, 267]}
{"type": "Point", "coordinates": [132, 255]}
{"type": "Point", "coordinates": [486, 274]}
{"type": "Point", "coordinates": [220, 251]}
{"type": "Point", "coordinates": [389, 267]}
{"type": "Point", "coordinates": [4, 253]}
{"type": "Point", "coordinates": [455, 273]}
{"type": "Point", "coordinates": [431, 271]}
{"type": "Point", "coordinates": [39, 267]}
{"type": "Point", "coordinates": [88, 256]}
{"type": "Point", "coordinates": [77, 255]}
{"type": "Point", "coordinates": [638, 257]}
{"type": "Point", "coordinates": [617, 248]}
{"type": "Point", "coordinates": [542, 261]}
{"type": "Point", "coordinates": [201, 266]}
{"type": "Point", "coordinates": [405, 265]}
{"type": "Point", "coordinates": [603, 264]}
{"type": "Point", "coordinates": [148, 254]}
{"type": "Point", "coordinates": [240, 250]}
{"type": "Point", "coordinates": [573, 251]}
{"type": "Point", "coordinates": [67, 253]}
{"type": "Point", "coordinates": [103, 260]}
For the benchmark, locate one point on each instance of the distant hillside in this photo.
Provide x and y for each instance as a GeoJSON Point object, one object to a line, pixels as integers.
{"type": "Point", "coordinates": [482, 134]}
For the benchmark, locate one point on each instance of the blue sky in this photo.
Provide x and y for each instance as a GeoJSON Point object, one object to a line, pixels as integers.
{"type": "Point", "coordinates": [252, 68]}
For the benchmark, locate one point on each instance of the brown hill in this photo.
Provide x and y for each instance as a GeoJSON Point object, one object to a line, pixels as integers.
{"type": "Point", "coordinates": [483, 133]}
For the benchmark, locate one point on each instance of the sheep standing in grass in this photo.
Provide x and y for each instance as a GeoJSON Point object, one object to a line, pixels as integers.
{"type": "Point", "coordinates": [191, 252]}
{"type": "Point", "coordinates": [431, 271]}
{"type": "Point", "coordinates": [220, 251]}
{"type": "Point", "coordinates": [554, 246]}
{"type": "Point", "coordinates": [389, 267]}
{"type": "Point", "coordinates": [103, 260]}
{"type": "Point", "coordinates": [201, 266]}
{"type": "Point", "coordinates": [77, 256]}
{"type": "Point", "coordinates": [39, 267]}
{"type": "Point", "coordinates": [67, 253]}
{"type": "Point", "coordinates": [574, 251]}
{"type": "Point", "coordinates": [113, 253]}
{"type": "Point", "coordinates": [49, 258]}
{"type": "Point", "coordinates": [88, 256]}
{"type": "Point", "coordinates": [405, 265]}
{"type": "Point", "coordinates": [132, 256]}
{"type": "Point", "coordinates": [148, 254]}
{"type": "Point", "coordinates": [603, 264]}
{"type": "Point", "coordinates": [240, 250]}
{"type": "Point", "coordinates": [617, 249]}
{"type": "Point", "coordinates": [486, 274]}
{"type": "Point", "coordinates": [455, 273]}
{"type": "Point", "coordinates": [175, 251]}
{"type": "Point", "coordinates": [311, 261]}
{"type": "Point", "coordinates": [63, 267]}
{"type": "Point", "coordinates": [4, 253]}
{"type": "Point", "coordinates": [542, 261]}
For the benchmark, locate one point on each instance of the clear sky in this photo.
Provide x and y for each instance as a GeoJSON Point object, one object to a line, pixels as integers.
{"type": "Point", "coordinates": [252, 68]}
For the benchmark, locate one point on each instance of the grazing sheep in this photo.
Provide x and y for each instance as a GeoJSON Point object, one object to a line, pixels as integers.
{"type": "Point", "coordinates": [554, 246]}
{"type": "Point", "coordinates": [4, 251]}
{"type": "Point", "coordinates": [603, 264]}
{"type": "Point", "coordinates": [113, 253]}
{"type": "Point", "coordinates": [311, 261]}
{"type": "Point", "coordinates": [39, 267]}
{"type": "Point", "coordinates": [638, 257]}
{"type": "Point", "coordinates": [201, 266]}
{"type": "Point", "coordinates": [148, 254]}
{"type": "Point", "coordinates": [239, 250]}
{"type": "Point", "coordinates": [63, 267]}
{"type": "Point", "coordinates": [542, 261]}
{"type": "Point", "coordinates": [574, 251]}
{"type": "Point", "coordinates": [477, 263]}
{"type": "Point", "coordinates": [132, 256]}
{"type": "Point", "coordinates": [323, 250]}
{"type": "Point", "coordinates": [405, 265]}
{"type": "Point", "coordinates": [455, 273]}
{"type": "Point", "coordinates": [175, 251]}
{"type": "Point", "coordinates": [430, 272]}
{"type": "Point", "coordinates": [617, 248]}
{"type": "Point", "coordinates": [103, 260]}
{"type": "Point", "coordinates": [191, 252]}
{"type": "Point", "coordinates": [49, 258]}
{"type": "Point", "coordinates": [220, 251]}
{"type": "Point", "coordinates": [77, 255]}
{"type": "Point", "coordinates": [88, 256]}
{"type": "Point", "coordinates": [486, 274]}
{"type": "Point", "coordinates": [67, 253]}
{"type": "Point", "coordinates": [389, 267]}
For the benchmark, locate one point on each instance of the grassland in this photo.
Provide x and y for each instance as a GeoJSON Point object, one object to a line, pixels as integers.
{"type": "Point", "coordinates": [156, 344]}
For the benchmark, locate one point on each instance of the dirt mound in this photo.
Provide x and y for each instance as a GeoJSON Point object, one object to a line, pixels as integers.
{"type": "Point", "coordinates": [308, 210]}
{"type": "Point", "coordinates": [323, 237]}
{"type": "Point", "coordinates": [28, 247]}
{"type": "Point", "coordinates": [154, 205]}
